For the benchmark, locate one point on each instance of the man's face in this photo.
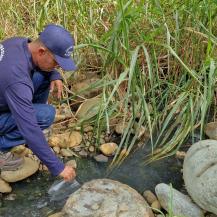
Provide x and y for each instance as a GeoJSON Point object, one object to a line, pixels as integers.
{"type": "Point", "coordinates": [45, 60]}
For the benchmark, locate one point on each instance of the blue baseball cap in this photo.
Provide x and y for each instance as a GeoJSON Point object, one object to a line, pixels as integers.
{"type": "Point", "coordinates": [60, 42]}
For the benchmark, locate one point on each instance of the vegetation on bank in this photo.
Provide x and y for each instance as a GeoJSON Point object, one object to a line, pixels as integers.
{"type": "Point", "coordinates": [156, 60]}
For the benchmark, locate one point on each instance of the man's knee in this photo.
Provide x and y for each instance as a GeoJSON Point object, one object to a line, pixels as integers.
{"type": "Point", "coordinates": [45, 114]}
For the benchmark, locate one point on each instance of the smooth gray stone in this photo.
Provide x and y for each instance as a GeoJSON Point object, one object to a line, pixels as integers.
{"type": "Point", "coordinates": [200, 174]}
{"type": "Point", "coordinates": [101, 158]}
{"type": "Point", "coordinates": [181, 204]}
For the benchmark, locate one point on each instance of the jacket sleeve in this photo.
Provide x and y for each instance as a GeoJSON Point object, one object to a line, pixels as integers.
{"type": "Point", "coordinates": [19, 100]}
{"type": "Point", "coordinates": [55, 75]}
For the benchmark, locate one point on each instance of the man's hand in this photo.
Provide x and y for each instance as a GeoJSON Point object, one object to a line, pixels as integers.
{"type": "Point", "coordinates": [68, 173]}
{"type": "Point", "coordinates": [59, 86]}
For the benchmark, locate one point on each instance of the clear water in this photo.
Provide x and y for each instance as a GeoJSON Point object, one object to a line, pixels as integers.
{"type": "Point", "coordinates": [32, 199]}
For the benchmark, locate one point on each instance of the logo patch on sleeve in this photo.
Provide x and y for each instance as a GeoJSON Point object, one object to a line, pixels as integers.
{"type": "Point", "coordinates": [2, 52]}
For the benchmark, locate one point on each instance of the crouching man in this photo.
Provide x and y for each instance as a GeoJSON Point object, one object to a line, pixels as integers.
{"type": "Point", "coordinates": [27, 75]}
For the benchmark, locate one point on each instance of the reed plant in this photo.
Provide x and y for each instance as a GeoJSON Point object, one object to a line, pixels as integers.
{"type": "Point", "coordinates": [156, 60]}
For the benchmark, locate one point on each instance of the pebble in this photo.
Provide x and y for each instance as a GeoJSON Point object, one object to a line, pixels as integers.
{"type": "Point", "coordinates": [77, 148]}
{"type": "Point", "coordinates": [66, 152]}
{"type": "Point", "coordinates": [72, 163]}
{"type": "Point", "coordinates": [56, 149]}
{"type": "Point", "coordinates": [149, 196]}
{"type": "Point", "coordinates": [91, 149]}
{"type": "Point", "coordinates": [88, 129]}
{"type": "Point", "coordinates": [83, 153]}
{"type": "Point", "coordinates": [101, 158]}
{"type": "Point", "coordinates": [10, 197]}
{"type": "Point", "coordinates": [156, 206]}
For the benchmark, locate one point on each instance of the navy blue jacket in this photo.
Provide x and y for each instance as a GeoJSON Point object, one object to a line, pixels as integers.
{"type": "Point", "coordinates": [16, 94]}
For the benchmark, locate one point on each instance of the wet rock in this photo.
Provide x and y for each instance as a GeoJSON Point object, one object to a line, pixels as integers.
{"type": "Point", "coordinates": [156, 206]}
{"type": "Point", "coordinates": [63, 112]}
{"type": "Point", "coordinates": [27, 169]}
{"type": "Point", "coordinates": [66, 152]}
{"type": "Point", "coordinates": [211, 130]}
{"type": "Point", "coordinates": [181, 204]}
{"type": "Point", "coordinates": [88, 108]}
{"type": "Point", "coordinates": [149, 196]}
{"type": "Point", "coordinates": [58, 214]}
{"type": "Point", "coordinates": [72, 163]}
{"type": "Point", "coordinates": [82, 85]}
{"type": "Point", "coordinates": [44, 168]}
{"type": "Point", "coordinates": [104, 197]}
{"type": "Point", "coordinates": [200, 174]}
{"type": "Point", "coordinates": [10, 197]}
{"type": "Point", "coordinates": [65, 140]}
{"type": "Point", "coordinates": [56, 149]}
{"type": "Point", "coordinates": [108, 149]}
{"type": "Point", "coordinates": [180, 155]}
{"type": "Point", "coordinates": [101, 158]}
{"type": "Point", "coordinates": [91, 149]}
{"type": "Point", "coordinates": [88, 129]}
{"type": "Point", "coordinates": [141, 130]}
{"type": "Point", "coordinates": [4, 187]}
{"type": "Point", "coordinates": [83, 153]}
{"type": "Point", "coordinates": [120, 127]}
{"type": "Point", "coordinates": [77, 148]}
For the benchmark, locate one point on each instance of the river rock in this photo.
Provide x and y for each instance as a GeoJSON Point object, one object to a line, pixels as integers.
{"type": "Point", "coordinates": [18, 149]}
{"type": "Point", "coordinates": [149, 196]}
{"type": "Point", "coordinates": [63, 112]}
{"type": "Point", "coordinates": [88, 108]}
{"type": "Point", "coordinates": [88, 129]}
{"type": "Point", "coordinates": [56, 149]}
{"type": "Point", "coordinates": [120, 127]}
{"type": "Point", "coordinates": [4, 187]}
{"type": "Point", "coordinates": [28, 168]}
{"type": "Point", "coordinates": [181, 204]}
{"type": "Point", "coordinates": [66, 152]}
{"type": "Point", "coordinates": [72, 163]}
{"type": "Point", "coordinates": [200, 174]}
{"type": "Point", "coordinates": [101, 158]}
{"type": "Point", "coordinates": [104, 197]}
{"type": "Point", "coordinates": [84, 84]}
{"type": "Point", "coordinates": [58, 214]}
{"type": "Point", "coordinates": [156, 206]}
{"type": "Point", "coordinates": [108, 149]}
{"type": "Point", "coordinates": [211, 130]}
{"type": "Point", "coordinates": [83, 153]}
{"type": "Point", "coordinates": [65, 140]}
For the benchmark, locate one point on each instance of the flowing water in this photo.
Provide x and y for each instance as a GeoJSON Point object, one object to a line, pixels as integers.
{"type": "Point", "coordinates": [30, 198]}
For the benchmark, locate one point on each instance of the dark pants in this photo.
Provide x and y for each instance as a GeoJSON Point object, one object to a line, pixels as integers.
{"type": "Point", "coordinates": [45, 114]}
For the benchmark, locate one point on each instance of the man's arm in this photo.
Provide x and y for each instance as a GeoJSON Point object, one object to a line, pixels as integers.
{"type": "Point", "coordinates": [19, 99]}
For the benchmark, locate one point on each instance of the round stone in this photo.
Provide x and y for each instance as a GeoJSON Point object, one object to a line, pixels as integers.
{"type": "Point", "coordinates": [200, 174]}
{"type": "Point", "coordinates": [104, 197]}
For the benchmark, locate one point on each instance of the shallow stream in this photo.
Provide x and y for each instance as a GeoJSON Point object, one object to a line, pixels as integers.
{"type": "Point", "coordinates": [30, 199]}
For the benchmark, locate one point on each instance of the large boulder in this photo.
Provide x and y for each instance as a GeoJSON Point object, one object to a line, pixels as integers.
{"type": "Point", "coordinates": [200, 174]}
{"type": "Point", "coordinates": [104, 197]}
{"type": "Point", "coordinates": [28, 168]}
{"type": "Point", "coordinates": [172, 200]}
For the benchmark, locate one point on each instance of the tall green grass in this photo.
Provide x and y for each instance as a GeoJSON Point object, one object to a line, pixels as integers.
{"type": "Point", "coordinates": [150, 54]}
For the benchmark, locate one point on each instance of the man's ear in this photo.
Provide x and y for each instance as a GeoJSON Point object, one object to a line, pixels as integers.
{"type": "Point", "coordinates": [41, 51]}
